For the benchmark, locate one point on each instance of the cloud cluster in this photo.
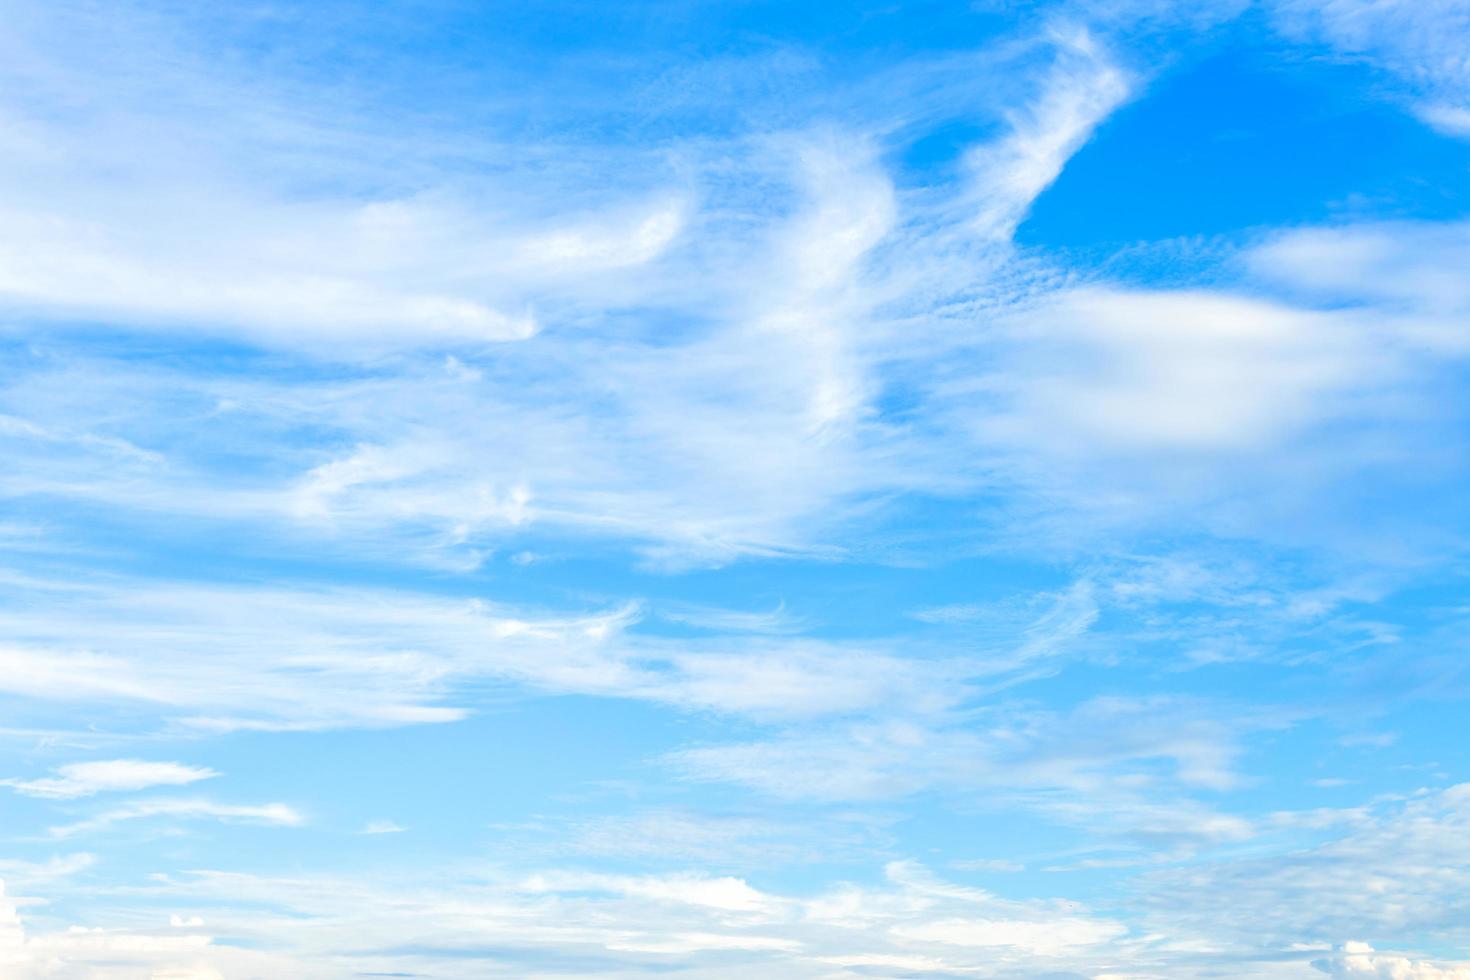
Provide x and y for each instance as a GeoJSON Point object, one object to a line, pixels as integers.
{"type": "Point", "coordinates": [1360, 960]}
{"type": "Point", "coordinates": [566, 923]}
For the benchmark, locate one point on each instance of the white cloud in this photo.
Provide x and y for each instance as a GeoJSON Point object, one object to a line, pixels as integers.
{"type": "Point", "coordinates": [1047, 936]}
{"type": "Point", "coordinates": [59, 866]}
{"type": "Point", "coordinates": [1122, 770]}
{"type": "Point", "coordinates": [1041, 626]}
{"type": "Point", "coordinates": [1394, 866]}
{"type": "Point", "coordinates": [1359, 960]}
{"type": "Point", "coordinates": [96, 953]}
{"type": "Point", "coordinates": [1408, 270]}
{"type": "Point", "coordinates": [1423, 43]}
{"type": "Point", "coordinates": [114, 775]}
{"type": "Point", "coordinates": [44, 256]}
{"type": "Point", "coordinates": [221, 659]}
{"type": "Point", "coordinates": [707, 925]}
{"type": "Point", "coordinates": [158, 196]}
{"type": "Point", "coordinates": [1452, 119]}
{"type": "Point", "coordinates": [729, 404]}
{"type": "Point", "coordinates": [994, 865]}
{"type": "Point", "coordinates": [1107, 370]}
{"type": "Point", "coordinates": [723, 408]}
{"type": "Point", "coordinates": [381, 827]}
{"type": "Point", "coordinates": [726, 894]}
{"type": "Point", "coordinates": [613, 242]}
{"type": "Point", "coordinates": [717, 840]}
{"type": "Point", "coordinates": [271, 814]}
{"type": "Point", "coordinates": [726, 339]}
{"type": "Point", "coordinates": [1082, 87]}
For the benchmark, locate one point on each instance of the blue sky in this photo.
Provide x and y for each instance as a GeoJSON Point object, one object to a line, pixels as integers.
{"type": "Point", "coordinates": [734, 489]}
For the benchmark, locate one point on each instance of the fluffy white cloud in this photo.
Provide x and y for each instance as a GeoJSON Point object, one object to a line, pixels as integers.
{"type": "Point", "coordinates": [164, 953]}
{"type": "Point", "coordinates": [1408, 271]}
{"type": "Point", "coordinates": [1359, 960]}
{"type": "Point", "coordinates": [1106, 370]}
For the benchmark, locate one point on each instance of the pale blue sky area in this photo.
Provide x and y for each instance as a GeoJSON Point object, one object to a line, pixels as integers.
{"type": "Point", "coordinates": [734, 489]}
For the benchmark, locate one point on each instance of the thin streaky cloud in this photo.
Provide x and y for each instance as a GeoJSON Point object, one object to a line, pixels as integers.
{"type": "Point", "coordinates": [800, 491]}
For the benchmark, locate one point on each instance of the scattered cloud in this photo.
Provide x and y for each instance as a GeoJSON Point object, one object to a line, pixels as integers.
{"type": "Point", "coordinates": [540, 389]}
{"type": "Point", "coordinates": [1393, 868]}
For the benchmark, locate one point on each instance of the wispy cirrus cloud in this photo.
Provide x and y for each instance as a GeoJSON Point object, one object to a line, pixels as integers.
{"type": "Point", "coordinates": [78, 779]}
{"type": "Point", "coordinates": [1393, 864]}
{"type": "Point", "coordinates": [378, 658]}
{"type": "Point", "coordinates": [400, 322]}
{"type": "Point", "coordinates": [682, 438]}
{"type": "Point", "coordinates": [1418, 42]}
{"type": "Point", "coordinates": [1082, 87]}
{"type": "Point", "coordinates": [270, 814]}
